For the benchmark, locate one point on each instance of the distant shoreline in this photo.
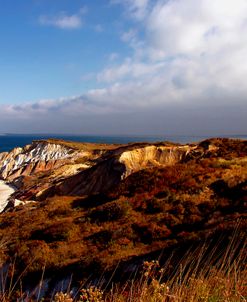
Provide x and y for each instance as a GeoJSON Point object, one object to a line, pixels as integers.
{"type": "Point", "coordinates": [11, 141]}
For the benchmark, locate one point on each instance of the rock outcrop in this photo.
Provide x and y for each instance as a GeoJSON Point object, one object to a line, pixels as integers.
{"type": "Point", "coordinates": [117, 166]}
{"type": "Point", "coordinates": [153, 199]}
{"type": "Point", "coordinates": [47, 168]}
{"type": "Point", "coordinates": [152, 156]}
{"type": "Point", "coordinates": [32, 168]}
{"type": "Point", "coordinates": [39, 156]}
{"type": "Point", "coordinates": [5, 192]}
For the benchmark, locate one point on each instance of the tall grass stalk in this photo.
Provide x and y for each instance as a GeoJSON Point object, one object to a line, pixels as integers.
{"type": "Point", "coordinates": [209, 273]}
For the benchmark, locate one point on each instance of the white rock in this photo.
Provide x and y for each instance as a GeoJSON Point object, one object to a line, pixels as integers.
{"type": "Point", "coordinates": [41, 151]}
{"type": "Point", "coordinates": [5, 192]}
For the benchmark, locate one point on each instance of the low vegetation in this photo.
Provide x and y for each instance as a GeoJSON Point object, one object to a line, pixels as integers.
{"type": "Point", "coordinates": [204, 274]}
{"type": "Point", "coordinates": [154, 212]}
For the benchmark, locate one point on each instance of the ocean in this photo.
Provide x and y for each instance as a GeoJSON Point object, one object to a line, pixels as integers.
{"type": "Point", "coordinates": [10, 141]}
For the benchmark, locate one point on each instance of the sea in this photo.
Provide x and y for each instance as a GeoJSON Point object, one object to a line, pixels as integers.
{"type": "Point", "coordinates": [10, 141]}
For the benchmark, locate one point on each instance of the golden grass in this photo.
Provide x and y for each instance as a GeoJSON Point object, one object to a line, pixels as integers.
{"type": "Point", "coordinates": [200, 276]}
{"type": "Point", "coordinates": [83, 145]}
{"type": "Point", "coordinates": [205, 274]}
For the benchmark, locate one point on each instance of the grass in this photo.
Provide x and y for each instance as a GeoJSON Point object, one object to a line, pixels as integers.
{"type": "Point", "coordinates": [193, 280]}
{"type": "Point", "coordinates": [204, 274]}
{"type": "Point", "coordinates": [82, 145]}
{"type": "Point", "coordinates": [153, 210]}
{"type": "Point", "coordinates": [149, 211]}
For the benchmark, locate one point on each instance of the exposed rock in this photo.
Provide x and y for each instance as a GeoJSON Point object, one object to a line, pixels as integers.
{"type": "Point", "coordinates": [38, 156]}
{"type": "Point", "coordinates": [152, 156]}
{"type": "Point", "coordinates": [153, 198]}
{"type": "Point", "coordinates": [112, 170]}
{"type": "Point", "coordinates": [5, 192]}
{"type": "Point", "coordinates": [48, 168]}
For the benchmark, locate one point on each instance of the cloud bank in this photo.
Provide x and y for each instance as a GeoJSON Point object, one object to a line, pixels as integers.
{"type": "Point", "coordinates": [186, 74]}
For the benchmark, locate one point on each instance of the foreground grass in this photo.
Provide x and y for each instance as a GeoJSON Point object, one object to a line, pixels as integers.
{"type": "Point", "coordinates": [213, 286]}
{"type": "Point", "coordinates": [207, 273]}
{"type": "Point", "coordinates": [198, 276]}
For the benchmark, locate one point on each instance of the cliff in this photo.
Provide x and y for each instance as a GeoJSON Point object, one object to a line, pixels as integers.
{"type": "Point", "coordinates": [39, 156]}
{"type": "Point", "coordinates": [5, 192]}
{"type": "Point", "coordinates": [100, 206]}
{"type": "Point", "coordinates": [47, 168]}
{"type": "Point", "coordinates": [152, 156]}
{"type": "Point", "coordinates": [31, 169]}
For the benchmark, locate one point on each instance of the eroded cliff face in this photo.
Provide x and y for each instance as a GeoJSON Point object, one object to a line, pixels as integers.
{"type": "Point", "coordinates": [47, 168]}
{"type": "Point", "coordinates": [196, 193]}
{"type": "Point", "coordinates": [33, 168]}
{"type": "Point", "coordinates": [152, 156]}
{"type": "Point", "coordinates": [38, 156]}
{"type": "Point", "coordinates": [5, 192]}
{"type": "Point", "coordinates": [119, 165]}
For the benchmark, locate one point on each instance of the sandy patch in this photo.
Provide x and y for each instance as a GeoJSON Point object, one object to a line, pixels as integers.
{"type": "Point", "coordinates": [5, 192]}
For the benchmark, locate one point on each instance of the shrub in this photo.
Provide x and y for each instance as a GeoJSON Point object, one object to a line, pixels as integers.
{"type": "Point", "coordinates": [101, 238]}
{"type": "Point", "coordinates": [55, 232]}
{"type": "Point", "coordinates": [109, 212]}
{"type": "Point", "coordinates": [34, 255]}
{"type": "Point", "coordinates": [147, 233]}
{"type": "Point", "coordinates": [155, 206]}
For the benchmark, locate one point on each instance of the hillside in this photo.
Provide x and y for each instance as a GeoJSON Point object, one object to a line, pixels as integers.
{"type": "Point", "coordinates": [98, 207]}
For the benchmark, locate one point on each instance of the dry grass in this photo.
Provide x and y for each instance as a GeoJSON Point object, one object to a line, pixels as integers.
{"type": "Point", "coordinates": [197, 278]}
{"type": "Point", "coordinates": [152, 210]}
{"type": "Point", "coordinates": [83, 146]}
{"type": "Point", "coordinates": [206, 274]}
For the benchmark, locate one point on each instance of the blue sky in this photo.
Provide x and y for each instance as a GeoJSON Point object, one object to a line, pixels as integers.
{"type": "Point", "coordinates": [49, 61]}
{"type": "Point", "coordinates": [123, 66]}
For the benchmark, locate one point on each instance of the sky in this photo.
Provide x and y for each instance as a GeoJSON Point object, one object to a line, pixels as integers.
{"type": "Point", "coordinates": [123, 67]}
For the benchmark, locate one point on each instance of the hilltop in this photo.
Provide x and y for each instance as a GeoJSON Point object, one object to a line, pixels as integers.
{"type": "Point", "coordinates": [94, 206]}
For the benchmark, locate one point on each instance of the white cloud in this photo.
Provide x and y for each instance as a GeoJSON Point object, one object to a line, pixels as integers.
{"type": "Point", "coordinates": [190, 54]}
{"type": "Point", "coordinates": [63, 20]}
{"type": "Point", "coordinates": [192, 27]}
{"type": "Point", "coordinates": [135, 8]}
{"type": "Point", "coordinates": [138, 8]}
{"type": "Point", "coordinates": [129, 35]}
{"type": "Point", "coordinates": [190, 43]}
{"type": "Point", "coordinates": [164, 103]}
{"type": "Point", "coordinates": [129, 69]}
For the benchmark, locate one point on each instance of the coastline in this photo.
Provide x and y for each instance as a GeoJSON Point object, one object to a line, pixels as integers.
{"type": "Point", "coordinates": [9, 142]}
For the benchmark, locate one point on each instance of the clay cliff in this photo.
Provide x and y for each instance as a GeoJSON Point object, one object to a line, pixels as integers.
{"type": "Point", "coordinates": [99, 206]}
{"type": "Point", "coordinates": [40, 156]}
{"type": "Point", "coordinates": [47, 168]}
